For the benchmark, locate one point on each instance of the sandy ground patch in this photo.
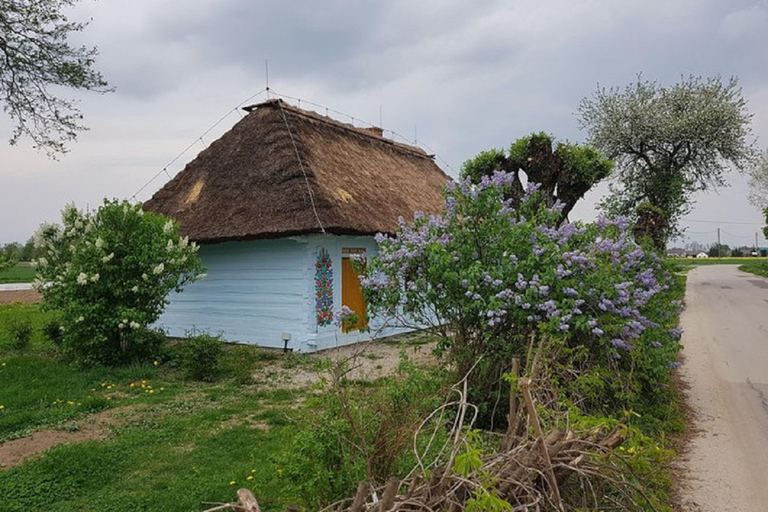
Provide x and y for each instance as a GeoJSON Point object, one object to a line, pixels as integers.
{"type": "Point", "coordinates": [23, 296]}
{"type": "Point", "coordinates": [369, 360]}
{"type": "Point", "coordinates": [94, 427]}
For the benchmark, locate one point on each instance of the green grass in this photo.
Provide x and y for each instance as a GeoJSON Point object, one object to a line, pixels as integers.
{"type": "Point", "coordinates": [716, 261]}
{"type": "Point", "coordinates": [21, 273]}
{"type": "Point", "coordinates": [759, 268]}
{"type": "Point", "coordinates": [168, 449]}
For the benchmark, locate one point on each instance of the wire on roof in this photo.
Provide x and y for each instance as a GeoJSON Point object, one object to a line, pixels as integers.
{"type": "Point", "coordinates": [271, 92]}
{"type": "Point", "coordinates": [301, 164]}
{"type": "Point", "coordinates": [199, 139]}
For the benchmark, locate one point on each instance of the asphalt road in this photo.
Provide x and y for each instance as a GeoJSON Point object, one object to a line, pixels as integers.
{"type": "Point", "coordinates": [725, 348]}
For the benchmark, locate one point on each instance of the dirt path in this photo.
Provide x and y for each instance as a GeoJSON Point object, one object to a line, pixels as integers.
{"type": "Point", "coordinates": [726, 350]}
{"type": "Point", "coordinates": [23, 296]}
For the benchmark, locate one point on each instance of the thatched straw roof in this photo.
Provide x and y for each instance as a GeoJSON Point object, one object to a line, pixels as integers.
{"type": "Point", "coordinates": [261, 178]}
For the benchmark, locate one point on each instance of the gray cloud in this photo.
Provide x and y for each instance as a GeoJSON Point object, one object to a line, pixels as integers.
{"type": "Point", "coordinates": [463, 79]}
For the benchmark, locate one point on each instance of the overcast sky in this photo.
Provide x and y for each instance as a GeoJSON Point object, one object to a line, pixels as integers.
{"type": "Point", "coordinates": [460, 79]}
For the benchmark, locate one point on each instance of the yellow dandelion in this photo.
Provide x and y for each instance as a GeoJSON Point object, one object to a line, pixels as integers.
{"type": "Point", "coordinates": [279, 471]}
{"type": "Point", "coordinates": [249, 477]}
{"type": "Point", "coordinates": [162, 389]}
{"type": "Point", "coordinates": [253, 470]}
{"type": "Point", "coordinates": [232, 482]}
{"type": "Point", "coordinates": [151, 391]}
{"type": "Point", "coordinates": [70, 402]}
{"type": "Point", "coordinates": [133, 385]}
{"type": "Point", "coordinates": [156, 363]}
{"type": "Point", "coordinates": [631, 450]}
{"type": "Point", "coordinates": [2, 407]}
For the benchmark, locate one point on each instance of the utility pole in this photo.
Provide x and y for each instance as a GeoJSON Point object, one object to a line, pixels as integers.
{"type": "Point", "coordinates": [718, 243]}
{"type": "Point", "coordinates": [757, 252]}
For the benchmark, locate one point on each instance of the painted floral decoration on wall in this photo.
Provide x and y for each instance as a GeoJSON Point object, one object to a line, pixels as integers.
{"type": "Point", "coordinates": [324, 288]}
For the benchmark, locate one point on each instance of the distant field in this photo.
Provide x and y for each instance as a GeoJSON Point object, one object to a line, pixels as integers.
{"type": "Point", "coordinates": [21, 273]}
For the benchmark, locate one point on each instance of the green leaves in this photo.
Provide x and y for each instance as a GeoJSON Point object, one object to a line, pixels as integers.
{"type": "Point", "coordinates": [669, 142]}
{"type": "Point", "coordinates": [110, 272]}
{"type": "Point", "coordinates": [36, 54]}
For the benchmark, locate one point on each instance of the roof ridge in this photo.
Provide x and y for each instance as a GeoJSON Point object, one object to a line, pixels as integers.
{"type": "Point", "coordinates": [316, 116]}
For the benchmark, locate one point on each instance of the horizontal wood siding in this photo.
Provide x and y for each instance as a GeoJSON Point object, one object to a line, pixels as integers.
{"type": "Point", "coordinates": [254, 292]}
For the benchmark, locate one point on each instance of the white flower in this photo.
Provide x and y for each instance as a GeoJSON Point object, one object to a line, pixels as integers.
{"type": "Point", "coordinates": [144, 276]}
{"type": "Point", "coordinates": [135, 325]}
{"type": "Point", "coordinates": [169, 245]}
{"type": "Point", "coordinates": [95, 277]}
{"type": "Point", "coordinates": [82, 279]}
{"type": "Point", "coordinates": [99, 243]}
{"type": "Point", "coordinates": [135, 289]}
{"type": "Point", "coordinates": [42, 262]}
{"type": "Point", "coordinates": [158, 269]}
{"type": "Point", "coordinates": [107, 258]}
{"type": "Point", "coordinates": [140, 212]}
{"type": "Point", "coordinates": [80, 319]}
{"type": "Point", "coordinates": [168, 227]}
{"type": "Point", "coordinates": [121, 325]}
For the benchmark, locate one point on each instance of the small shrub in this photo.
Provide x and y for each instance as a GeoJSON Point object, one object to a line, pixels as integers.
{"type": "Point", "coordinates": [52, 332]}
{"type": "Point", "coordinates": [360, 430]}
{"type": "Point", "coordinates": [199, 357]}
{"type": "Point", "coordinates": [21, 331]}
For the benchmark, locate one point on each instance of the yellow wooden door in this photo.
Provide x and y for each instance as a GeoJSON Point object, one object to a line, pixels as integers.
{"type": "Point", "coordinates": [352, 294]}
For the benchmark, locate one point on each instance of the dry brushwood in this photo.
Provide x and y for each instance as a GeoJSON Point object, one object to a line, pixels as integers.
{"type": "Point", "coordinates": [526, 472]}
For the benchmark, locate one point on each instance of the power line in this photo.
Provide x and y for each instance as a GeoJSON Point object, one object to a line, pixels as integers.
{"type": "Point", "coordinates": [269, 92]}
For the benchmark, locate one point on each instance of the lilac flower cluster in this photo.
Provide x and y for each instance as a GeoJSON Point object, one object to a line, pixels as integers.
{"type": "Point", "coordinates": [499, 270]}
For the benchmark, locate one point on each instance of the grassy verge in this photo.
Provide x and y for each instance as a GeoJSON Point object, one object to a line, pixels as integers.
{"type": "Point", "coordinates": [21, 273]}
{"type": "Point", "coordinates": [690, 262]}
{"type": "Point", "coordinates": [759, 268]}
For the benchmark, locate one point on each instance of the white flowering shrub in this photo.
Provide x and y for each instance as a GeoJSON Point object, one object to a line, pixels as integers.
{"type": "Point", "coordinates": [109, 274]}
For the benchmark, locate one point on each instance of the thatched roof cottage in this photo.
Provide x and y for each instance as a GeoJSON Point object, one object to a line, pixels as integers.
{"type": "Point", "coordinates": [279, 204]}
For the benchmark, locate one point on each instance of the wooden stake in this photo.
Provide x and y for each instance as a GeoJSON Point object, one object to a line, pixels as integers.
{"type": "Point", "coordinates": [390, 491]}
{"type": "Point", "coordinates": [362, 493]}
{"type": "Point", "coordinates": [247, 501]}
{"type": "Point", "coordinates": [525, 386]}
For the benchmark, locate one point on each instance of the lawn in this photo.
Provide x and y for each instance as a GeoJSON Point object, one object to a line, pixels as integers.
{"type": "Point", "coordinates": [172, 443]}
{"type": "Point", "coordinates": [20, 273]}
{"type": "Point", "coordinates": [165, 443]}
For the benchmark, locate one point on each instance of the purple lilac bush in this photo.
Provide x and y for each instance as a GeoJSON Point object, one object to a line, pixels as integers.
{"type": "Point", "coordinates": [491, 278]}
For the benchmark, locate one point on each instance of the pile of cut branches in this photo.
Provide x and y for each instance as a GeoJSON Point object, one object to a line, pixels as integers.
{"type": "Point", "coordinates": [525, 469]}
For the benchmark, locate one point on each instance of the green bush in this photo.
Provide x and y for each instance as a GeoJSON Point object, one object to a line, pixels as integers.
{"type": "Point", "coordinates": [20, 331]}
{"type": "Point", "coordinates": [360, 430]}
{"type": "Point", "coordinates": [109, 274]}
{"type": "Point", "coordinates": [52, 332]}
{"type": "Point", "coordinates": [199, 356]}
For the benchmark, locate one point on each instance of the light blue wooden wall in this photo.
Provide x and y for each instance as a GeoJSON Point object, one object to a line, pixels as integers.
{"type": "Point", "coordinates": [254, 292]}
{"type": "Point", "coordinates": [257, 290]}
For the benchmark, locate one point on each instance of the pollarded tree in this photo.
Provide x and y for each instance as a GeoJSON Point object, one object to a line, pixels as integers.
{"type": "Point", "coordinates": [36, 56]}
{"type": "Point", "coordinates": [564, 172]}
{"type": "Point", "coordinates": [669, 142]}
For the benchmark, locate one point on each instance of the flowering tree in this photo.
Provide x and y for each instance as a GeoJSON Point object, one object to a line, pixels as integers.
{"type": "Point", "coordinates": [496, 279]}
{"type": "Point", "coordinates": [109, 273]}
{"type": "Point", "coordinates": [669, 142]}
